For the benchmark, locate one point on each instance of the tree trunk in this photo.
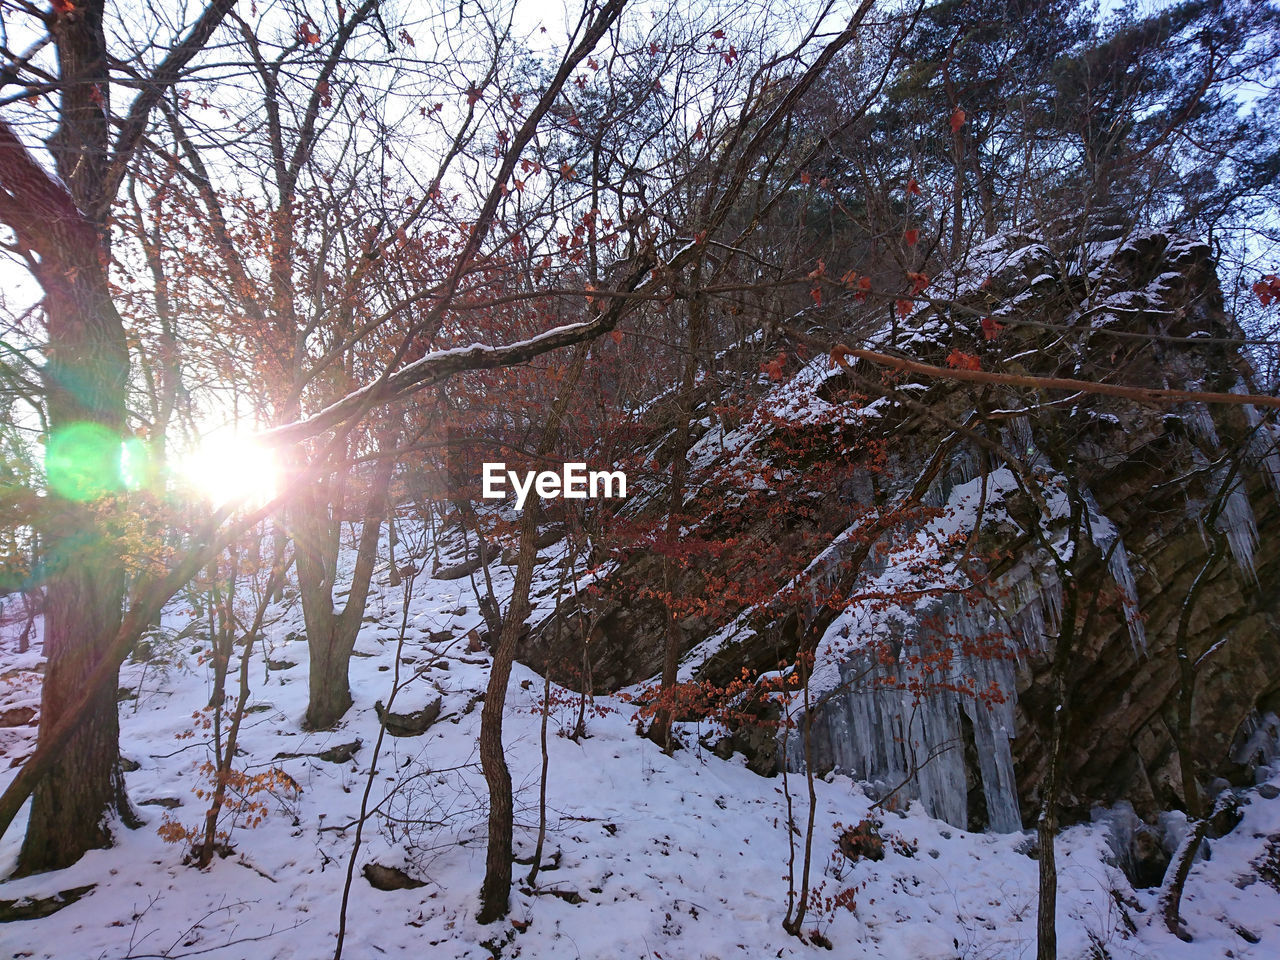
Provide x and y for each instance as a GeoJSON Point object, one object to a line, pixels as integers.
{"type": "Point", "coordinates": [1170, 900]}
{"type": "Point", "coordinates": [85, 383]}
{"type": "Point", "coordinates": [495, 891]}
{"type": "Point", "coordinates": [331, 635]}
{"type": "Point", "coordinates": [85, 378]}
{"type": "Point", "coordinates": [1047, 824]}
{"type": "Point", "coordinates": [794, 923]}
{"type": "Point", "coordinates": [1197, 821]}
{"type": "Point", "coordinates": [329, 692]}
{"type": "Point", "coordinates": [660, 730]}
{"type": "Point", "coordinates": [71, 806]}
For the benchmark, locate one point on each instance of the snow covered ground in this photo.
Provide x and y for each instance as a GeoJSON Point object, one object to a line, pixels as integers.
{"type": "Point", "coordinates": [646, 855]}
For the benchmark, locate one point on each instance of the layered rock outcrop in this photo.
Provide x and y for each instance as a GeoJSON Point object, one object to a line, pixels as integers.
{"type": "Point", "coordinates": [1172, 493]}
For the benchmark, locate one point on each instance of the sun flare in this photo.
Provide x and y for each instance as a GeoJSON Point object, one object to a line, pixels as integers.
{"type": "Point", "coordinates": [230, 469]}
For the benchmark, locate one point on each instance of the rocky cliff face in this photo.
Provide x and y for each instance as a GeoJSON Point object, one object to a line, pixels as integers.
{"type": "Point", "coordinates": [933, 629]}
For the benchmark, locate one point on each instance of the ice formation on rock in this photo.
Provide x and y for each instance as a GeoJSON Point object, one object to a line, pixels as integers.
{"type": "Point", "coordinates": [1237, 521]}
{"type": "Point", "coordinates": [878, 727]}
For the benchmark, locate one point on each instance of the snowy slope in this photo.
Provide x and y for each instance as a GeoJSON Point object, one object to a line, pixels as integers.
{"type": "Point", "coordinates": [646, 856]}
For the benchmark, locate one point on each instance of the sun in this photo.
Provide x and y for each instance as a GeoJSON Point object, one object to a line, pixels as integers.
{"type": "Point", "coordinates": [227, 469]}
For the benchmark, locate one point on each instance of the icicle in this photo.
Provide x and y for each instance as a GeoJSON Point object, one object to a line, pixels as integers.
{"type": "Point", "coordinates": [1264, 442]}
{"type": "Point", "coordinates": [938, 755]}
{"type": "Point", "coordinates": [1261, 740]}
{"type": "Point", "coordinates": [1019, 438]}
{"type": "Point", "coordinates": [1264, 447]}
{"type": "Point", "coordinates": [964, 465]}
{"type": "Point", "coordinates": [937, 494]}
{"type": "Point", "coordinates": [1107, 538]}
{"type": "Point", "coordinates": [1200, 421]}
{"type": "Point", "coordinates": [1123, 576]}
{"type": "Point", "coordinates": [993, 728]}
{"type": "Point", "coordinates": [1237, 522]}
{"type": "Point", "coordinates": [1034, 605]}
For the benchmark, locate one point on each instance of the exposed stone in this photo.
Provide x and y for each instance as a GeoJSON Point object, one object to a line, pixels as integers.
{"type": "Point", "coordinates": [17, 716]}
{"type": "Point", "coordinates": [342, 753]}
{"type": "Point", "coordinates": [413, 724]}
{"type": "Point", "coordinates": [389, 878]}
{"type": "Point", "coordinates": [1143, 464]}
{"type": "Point", "coordinates": [1148, 859]}
{"type": "Point", "coordinates": [1226, 816]}
{"type": "Point", "coordinates": [33, 908]}
{"type": "Point", "coordinates": [169, 803]}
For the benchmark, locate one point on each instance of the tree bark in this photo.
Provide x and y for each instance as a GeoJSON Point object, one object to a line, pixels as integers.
{"type": "Point", "coordinates": [495, 891]}
{"type": "Point", "coordinates": [1047, 824]}
{"type": "Point", "coordinates": [1179, 869]}
{"type": "Point", "coordinates": [84, 382]}
{"type": "Point", "coordinates": [331, 635]}
{"type": "Point", "coordinates": [65, 227]}
{"type": "Point", "coordinates": [660, 730]}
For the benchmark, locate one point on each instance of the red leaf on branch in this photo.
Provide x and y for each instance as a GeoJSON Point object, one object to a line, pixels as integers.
{"type": "Point", "coordinates": [774, 367]}
{"type": "Point", "coordinates": [959, 360]}
{"type": "Point", "coordinates": [913, 188]}
{"type": "Point", "coordinates": [904, 307]}
{"type": "Point", "coordinates": [308, 34]}
{"type": "Point", "coordinates": [918, 282]}
{"type": "Point", "coordinates": [991, 328]}
{"type": "Point", "coordinates": [718, 34]}
{"type": "Point", "coordinates": [819, 271]}
{"type": "Point", "coordinates": [1267, 289]}
{"type": "Point", "coordinates": [912, 237]}
{"type": "Point", "coordinates": [617, 336]}
{"type": "Point", "coordinates": [957, 119]}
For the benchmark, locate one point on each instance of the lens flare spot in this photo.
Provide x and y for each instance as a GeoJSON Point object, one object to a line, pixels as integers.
{"type": "Point", "coordinates": [136, 467]}
{"type": "Point", "coordinates": [228, 469]}
{"type": "Point", "coordinates": [82, 461]}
